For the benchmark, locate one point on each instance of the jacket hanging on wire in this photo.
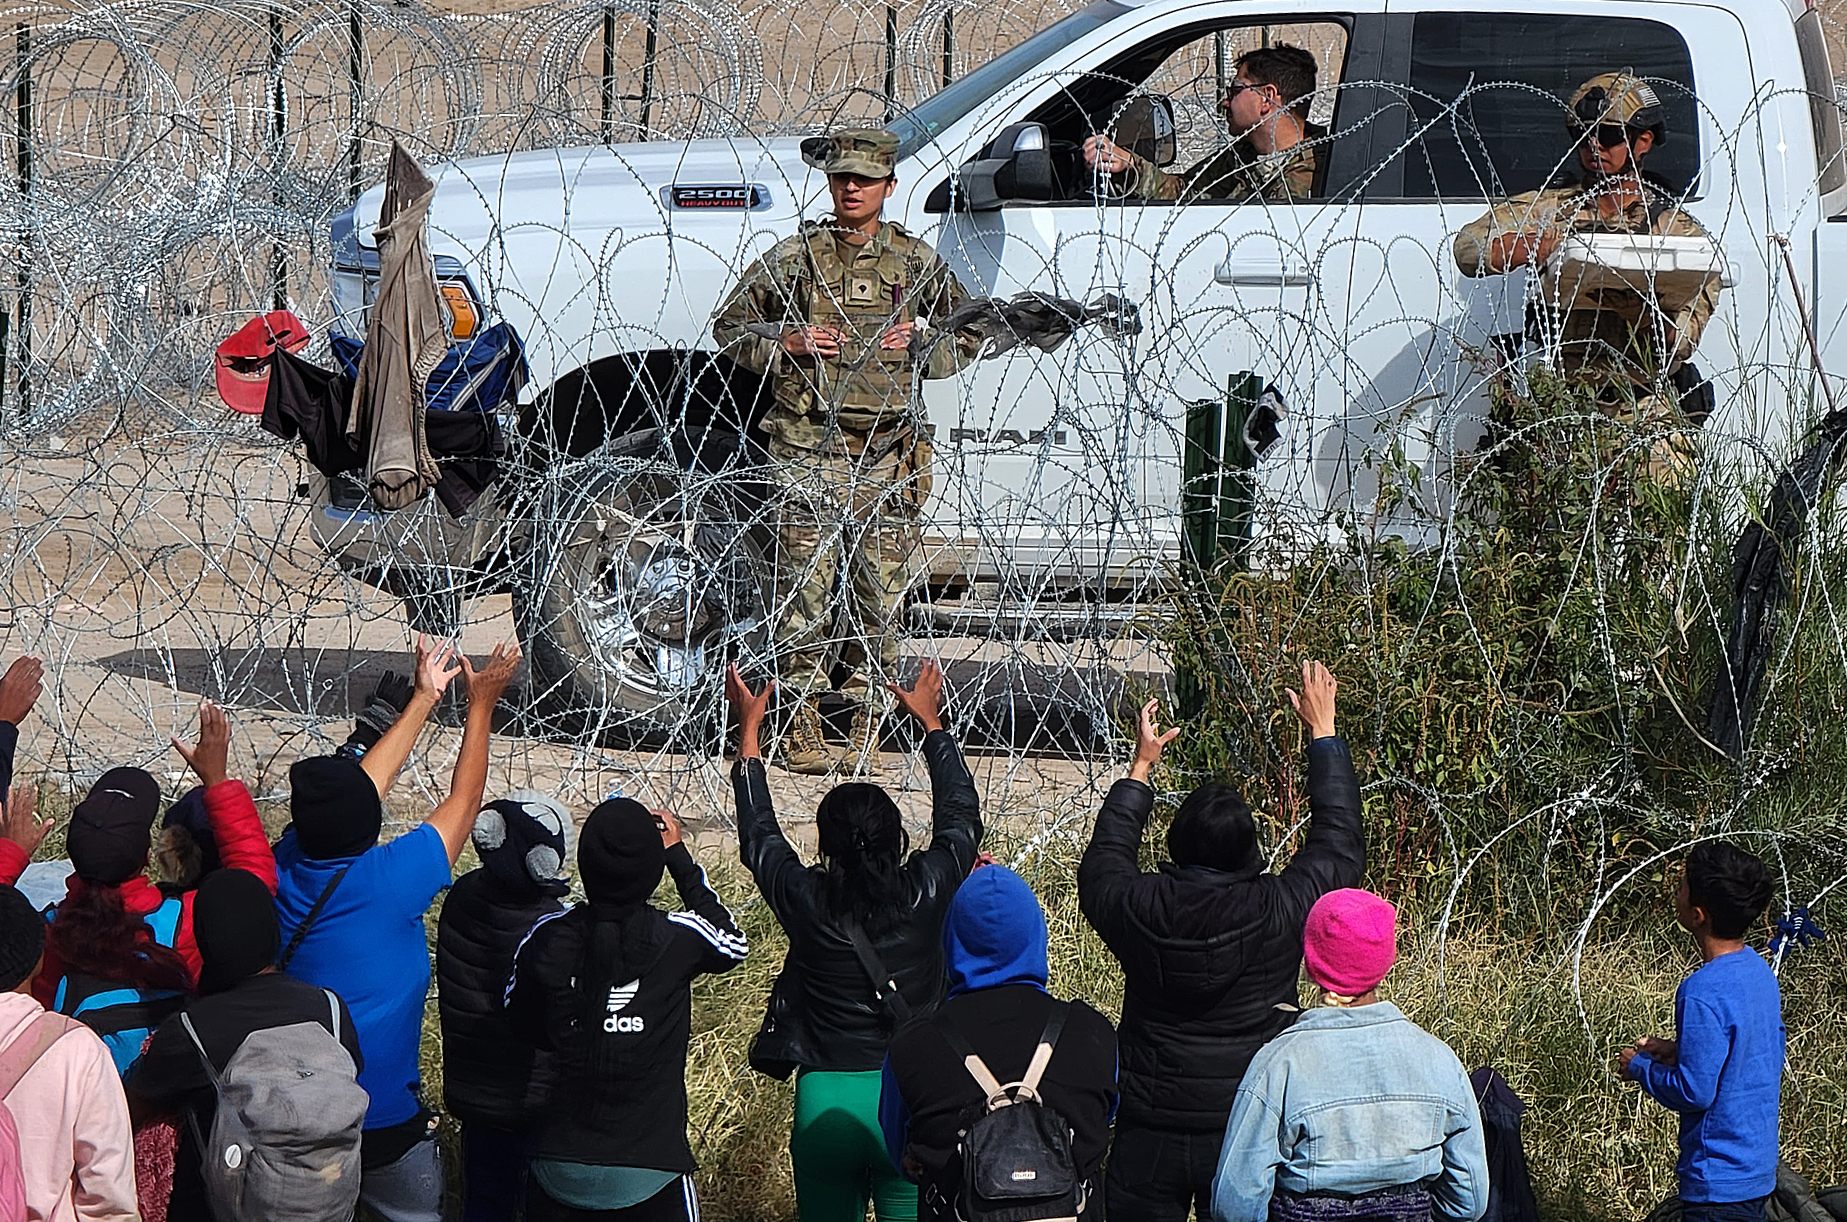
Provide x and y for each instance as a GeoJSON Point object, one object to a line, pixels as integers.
{"type": "Point", "coordinates": [405, 339]}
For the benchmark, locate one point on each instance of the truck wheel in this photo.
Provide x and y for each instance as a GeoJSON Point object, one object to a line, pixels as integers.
{"type": "Point", "coordinates": [648, 574]}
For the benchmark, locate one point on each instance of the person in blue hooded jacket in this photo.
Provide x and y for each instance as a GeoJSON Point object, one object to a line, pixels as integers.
{"type": "Point", "coordinates": [994, 943]}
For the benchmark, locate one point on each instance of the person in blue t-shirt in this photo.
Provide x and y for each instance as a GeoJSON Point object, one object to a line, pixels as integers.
{"type": "Point", "coordinates": [1723, 1073]}
{"type": "Point", "coordinates": [350, 912]}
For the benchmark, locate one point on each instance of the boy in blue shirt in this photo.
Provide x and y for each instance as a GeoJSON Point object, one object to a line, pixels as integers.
{"type": "Point", "coordinates": [1723, 1074]}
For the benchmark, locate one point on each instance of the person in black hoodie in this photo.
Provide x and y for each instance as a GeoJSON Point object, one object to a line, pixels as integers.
{"type": "Point", "coordinates": [607, 986]}
{"type": "Point", "coordinates": [994, 946]}
{"type": "Point", "coordinates": [495, 1083]}
{"type": "Point", "coordinates": [1210, 946]}
{"type": "Point", "coordinates": [865, 949]}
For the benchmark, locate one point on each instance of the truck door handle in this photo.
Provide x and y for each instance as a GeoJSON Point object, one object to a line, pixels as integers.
{"type": "Point", "coordinates": [1270, 273]}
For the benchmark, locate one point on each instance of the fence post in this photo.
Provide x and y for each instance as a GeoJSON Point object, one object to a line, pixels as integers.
{"type": "Point", "coordinates": [647, 67]}
{"type": "Point", "coordinates": [22, 117]}
{"type": "Point", "coordinates": [606, 124]}
{"type": "Point", "coordinates": [355, 94]}
{"type": "Point", "coordinates": [278, 127]}
{"type": "Point", "coordinates": [949, 44]}
{"type": "Point", "coordinates": [891, 62]}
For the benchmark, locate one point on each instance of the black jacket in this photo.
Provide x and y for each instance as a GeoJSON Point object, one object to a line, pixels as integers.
{"type": "Point", "coordinates": [937, 1098]}
{"type": "Point", "coordinates": [610, 992]}
{"type": "Point", "coordinates": [1209, 958]}
{"type": "Point", "coordinates": [490, 1075]}
{"type": "Point", "coordinates": [847, 1028]}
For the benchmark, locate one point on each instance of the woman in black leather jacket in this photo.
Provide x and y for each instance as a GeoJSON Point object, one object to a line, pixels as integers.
{"type": "Point", "coordinates": [865, 933]}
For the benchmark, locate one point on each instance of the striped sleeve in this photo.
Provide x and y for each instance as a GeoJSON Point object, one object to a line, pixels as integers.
{"type": "Point", "coordinates": [705, 915]}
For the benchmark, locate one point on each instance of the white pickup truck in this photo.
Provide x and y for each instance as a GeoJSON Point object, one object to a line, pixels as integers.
{"type": "Point", "coordinates": [625, 520]}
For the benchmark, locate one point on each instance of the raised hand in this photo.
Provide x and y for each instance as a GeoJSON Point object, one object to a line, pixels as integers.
{"type": "Point", "coordinates": [670, 826]}
{"type": "Point", "coordinates": [20, 822]}
{"type": "Point", "coordinates": [20, 688]}
{"type": "Point", "coordinates": [1314, 704]}
{"type": "Point", "coordinates": [210, 756]}
{"type": "Point", "coordinates": [924, 698]}
{"type": "Point", "coordinates": [485, 686]}
{"type": "Point", "coordinates": [435, 667]}
{"type": "Point", "coordinates": [750, 708]}
{"type": "Point", "coordinates": [1149, 742]}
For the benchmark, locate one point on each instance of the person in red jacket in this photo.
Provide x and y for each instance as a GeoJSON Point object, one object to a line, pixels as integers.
{"type": "Point", "coordinates": [110, 837]}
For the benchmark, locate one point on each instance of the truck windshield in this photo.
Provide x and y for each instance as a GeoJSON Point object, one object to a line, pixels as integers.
{"type": "Point", "coordinates": [925, 121]}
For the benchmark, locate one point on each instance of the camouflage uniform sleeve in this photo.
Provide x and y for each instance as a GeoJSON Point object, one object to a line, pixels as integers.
{"type": "Point", "coordinates": [757, 298]}
{"type": "Point", "coordinates": [1692, 318]}
{"type": "Point", "coordinates": [1517, 215]}
{"type": "Point", "coordinates": [1149, 181]}
{"type": "Point", "coordinates": [939, 292]}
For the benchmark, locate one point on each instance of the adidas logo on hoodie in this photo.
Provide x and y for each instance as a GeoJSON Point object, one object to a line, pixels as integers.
{"type": "Point", "coordinates": [618, 1023]}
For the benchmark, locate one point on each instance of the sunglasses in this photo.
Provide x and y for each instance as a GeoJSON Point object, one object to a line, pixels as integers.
{"type": "Point", "coordinates": [1234, 88]}
{"type": "Point", "coordinates": [1608, 135]}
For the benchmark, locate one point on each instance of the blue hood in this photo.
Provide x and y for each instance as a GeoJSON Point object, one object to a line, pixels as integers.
{"type": "Point", "coordinates": [994, 933]}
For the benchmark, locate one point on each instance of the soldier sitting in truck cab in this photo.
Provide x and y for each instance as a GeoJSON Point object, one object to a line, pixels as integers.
{"type": "Point", "coordinates": [1621, 340]}
{"type": "Point", "coordinates": [1274, 154]}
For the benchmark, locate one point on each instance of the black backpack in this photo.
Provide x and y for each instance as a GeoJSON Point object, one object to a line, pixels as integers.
{"type": "Point", "coordinates": [1016, 1156]}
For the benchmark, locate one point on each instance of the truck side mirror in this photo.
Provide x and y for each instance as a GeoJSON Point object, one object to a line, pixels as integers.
{"type": "Point", "coordinates": [1015, 165]}
{"type": "Point", "coordinates": [1145, 126]}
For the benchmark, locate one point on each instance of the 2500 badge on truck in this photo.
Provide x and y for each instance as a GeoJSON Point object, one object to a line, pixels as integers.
{"type": "Point", "coordinates": [626, 521]}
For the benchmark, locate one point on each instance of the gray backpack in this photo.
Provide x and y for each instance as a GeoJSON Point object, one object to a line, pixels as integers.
{"type": "Point", "coordinates": [284, 1145]}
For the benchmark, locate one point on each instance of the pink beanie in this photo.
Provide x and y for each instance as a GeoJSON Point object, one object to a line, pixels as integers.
{"type": "Point", "coordinates": [1349, 941]}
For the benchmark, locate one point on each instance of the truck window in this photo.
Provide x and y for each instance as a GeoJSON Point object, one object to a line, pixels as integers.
{"type": "Point", "coordinates": [1491, 90]}
{"type": "Point", "coordinates": [1824, 108]}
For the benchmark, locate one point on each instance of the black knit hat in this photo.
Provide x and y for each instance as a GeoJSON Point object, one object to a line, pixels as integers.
{"type": "Point", "coordinates": [335, 807]}
{"type": "Point", "coordinates": [22, 937]}
{"type": "Point", "coordinates": [108, 839]}
{"type": "Point", "coordinates": [619, 854]}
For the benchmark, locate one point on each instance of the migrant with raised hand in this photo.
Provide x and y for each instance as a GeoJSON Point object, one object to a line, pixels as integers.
{"type": "Point", "coordinates": [606, 987]}
{"type": "Point", "coordinates": [1210, 946]}
{"type": "Point", "coordinates": [1353, 1113]}
{"type": "Point", "coordinates": [865, 928]}
{"type": "Point", "coordinates": [350, 912]}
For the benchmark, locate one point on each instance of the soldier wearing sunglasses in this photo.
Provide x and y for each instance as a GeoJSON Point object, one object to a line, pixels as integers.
{"type": "Point", "coordinates": [1623, 341]}
{"type": "Point", "coordinates": [1273, 156]}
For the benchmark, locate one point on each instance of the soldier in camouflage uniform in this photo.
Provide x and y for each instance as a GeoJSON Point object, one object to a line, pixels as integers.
{"type": "Point", "coordinates": [837, 317]}
{"type": "Point", "coordinates": [1624, 343]}
{"type": "Point", "coordinates": [1275, 157]}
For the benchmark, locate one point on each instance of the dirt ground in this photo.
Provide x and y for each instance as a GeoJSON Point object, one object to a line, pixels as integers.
{"type": "Point", "coordinates": [151, 573]}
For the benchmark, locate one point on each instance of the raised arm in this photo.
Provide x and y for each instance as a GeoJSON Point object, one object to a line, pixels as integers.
{"type": "Point", "coordinates": [454, 818]}
{"type": "Point", "coordinates": [20, 689]}
{"type": "Point", "coordinates": [1333, 853]}
{"type": "Point", "coordinates": [766, 852]}
{"type": "Point", "coordinates": [955, 807]}
{"type": "Point", "coordinates": [1110, 867]}
{"type": "Point", "coordinates": [723, 944]}
{"type": "Point", "coordinates": [21, 830]}
{"type": "Point", "coordinates": [236, 827]}
{"type": "Point", "coordinates": [387, 756]}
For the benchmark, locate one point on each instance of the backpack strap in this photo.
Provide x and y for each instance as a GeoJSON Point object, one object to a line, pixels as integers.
{"type": "Point", "coordinates": [884, 985]}
{"type": "Point", "coordinates": [1035, 1068]}
{"type": "Point", "coordinates": [307, 922]}
{"type": "Point", "coordinates": [18, 1058]}
{"type": "Point", "coordinates": [211, 1071]}
{"type": "Point", "coordinates": [333, 1007]}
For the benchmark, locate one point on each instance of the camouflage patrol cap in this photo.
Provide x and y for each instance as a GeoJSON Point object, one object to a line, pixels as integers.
{"type": "Point", "coordinates": [870, 152]}
{"type": "Point", "coordinates": [1618, 97]}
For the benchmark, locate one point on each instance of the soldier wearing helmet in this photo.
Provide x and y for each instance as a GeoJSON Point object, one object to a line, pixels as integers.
{"type": "Point", "coordinates": [835, 317]}
{"type": "Point", "coordinates": [1623, 340]}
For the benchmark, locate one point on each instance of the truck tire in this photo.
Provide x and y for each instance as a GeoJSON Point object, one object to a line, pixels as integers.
{"type": "Point", "coordinates": [648, 574]}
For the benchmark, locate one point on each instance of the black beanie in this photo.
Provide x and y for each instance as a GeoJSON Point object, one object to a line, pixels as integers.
{"type": "Point", "coordinates": [234, 920]}
{"type": "Point", "coordinates": [335, 807]}
{"type": "Point", "coordinates": [22, 937]}
{"type": "Point", "coordinates": [109, 832]}
{"type": "Point", "coordinates": [1214, 829]}
{"type": "Point", "coordinates": [619, 854]}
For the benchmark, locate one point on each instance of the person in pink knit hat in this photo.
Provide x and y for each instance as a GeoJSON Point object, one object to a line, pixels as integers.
{"type": "Point", "coordinates": [1354, 1111]}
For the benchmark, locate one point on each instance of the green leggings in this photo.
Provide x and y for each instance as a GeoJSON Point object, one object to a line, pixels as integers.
{"type": "Point", "coordinates": [839, 1153]}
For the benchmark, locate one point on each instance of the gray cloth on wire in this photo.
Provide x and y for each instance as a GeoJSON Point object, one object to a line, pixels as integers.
{"type": "Point", "coordinates": [1038, 319]}
{"type": "Point", "coordinates": [405, 340]}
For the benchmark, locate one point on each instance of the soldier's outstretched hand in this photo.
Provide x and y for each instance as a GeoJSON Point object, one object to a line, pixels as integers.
{"type": "Point", "coordinates": [899, 335]}
{"type": "Point", "coordinates": [924, 698]}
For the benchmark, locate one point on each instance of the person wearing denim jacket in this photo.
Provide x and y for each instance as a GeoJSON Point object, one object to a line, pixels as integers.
{"type": "Point", "coordinates": [1354, 1111]}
